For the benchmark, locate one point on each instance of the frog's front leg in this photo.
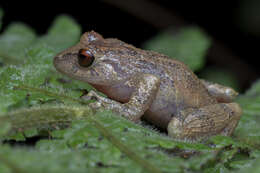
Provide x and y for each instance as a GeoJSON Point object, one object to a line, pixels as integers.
{"type": "Point", "coordinates": [146, 87]}
{"type": "Point", "coordinates": [201, 123]}
{"type": "Point", "coordinates": [223, 94]}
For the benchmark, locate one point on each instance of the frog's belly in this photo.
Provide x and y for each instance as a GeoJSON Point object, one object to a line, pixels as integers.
{"type": "Point", "coordinates": [161, 112]}
{"type": "Point", "coordinates": [153, 118]}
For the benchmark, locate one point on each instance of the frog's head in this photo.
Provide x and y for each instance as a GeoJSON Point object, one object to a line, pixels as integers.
{"type": "Point", "coordinates": [94, 60]}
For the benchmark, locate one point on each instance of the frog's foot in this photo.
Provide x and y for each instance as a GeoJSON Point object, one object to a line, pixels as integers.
{"type": "Point", "coordinates": [103, 102]}
{"type": "Point", "coordinates": [195, 124]}
{"type": "Point", "coordinates": [223, 94]}
{"type": "Point", "coordinates": [100, 101]}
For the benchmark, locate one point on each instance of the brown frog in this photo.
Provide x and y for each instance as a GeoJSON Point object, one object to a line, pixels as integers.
{"type": "Point", "coordinates": [147, 84]}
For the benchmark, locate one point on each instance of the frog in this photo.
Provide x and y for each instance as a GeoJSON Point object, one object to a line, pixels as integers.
{"type": "Point", "coordinates": [143, 84]}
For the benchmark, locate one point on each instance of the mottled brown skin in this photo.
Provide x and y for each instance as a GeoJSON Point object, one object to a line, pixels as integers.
{"type": "Point", "coordinates": [144, 83]}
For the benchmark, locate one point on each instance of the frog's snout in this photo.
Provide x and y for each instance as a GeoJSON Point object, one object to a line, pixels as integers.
{"type": "Point", "coordinates": [61, 63]}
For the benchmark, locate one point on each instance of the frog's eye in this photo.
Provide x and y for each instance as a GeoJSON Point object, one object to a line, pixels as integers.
{"type": "Point", "coordinates": [85, 58]}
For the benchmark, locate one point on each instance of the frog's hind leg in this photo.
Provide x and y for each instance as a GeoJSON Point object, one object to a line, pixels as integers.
{"type": "Point", "coordinates": [223, 94]}
{"type": "Point", "coordinates": [195, 124]}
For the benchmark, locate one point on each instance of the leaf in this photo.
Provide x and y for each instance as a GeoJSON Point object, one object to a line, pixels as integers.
{"type": "Point", "coordinates": [46, 117]}
{"type": "Point", "coordinates": [84, 135]}
{"type": "Point", "coordinates": [5, 128]}
{"type": "Point", "coordinates": [34, 161]}
{"type": "Point", "coordinates": [253, 166]}
{"type": "Point", "coordinates": [12, 76]}
{"type": "Point", "coordinates": [219, 168]}
{"type": "Point", "coordinates": [188, 45]}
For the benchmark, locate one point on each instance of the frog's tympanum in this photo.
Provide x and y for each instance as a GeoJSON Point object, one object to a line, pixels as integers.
{"type": "Point", "coordinates": [147, 84]}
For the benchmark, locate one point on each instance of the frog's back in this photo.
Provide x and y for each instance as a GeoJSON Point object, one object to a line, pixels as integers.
{"type": "Point", "coordinates": [179, 85]}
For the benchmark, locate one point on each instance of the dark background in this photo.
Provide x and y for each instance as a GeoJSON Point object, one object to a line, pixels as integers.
{"type": "Point", "coordinates": [234, 25]}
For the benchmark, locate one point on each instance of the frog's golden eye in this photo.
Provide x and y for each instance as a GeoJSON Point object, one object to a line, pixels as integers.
{"type": "Point", "coordinates": [85, 58]}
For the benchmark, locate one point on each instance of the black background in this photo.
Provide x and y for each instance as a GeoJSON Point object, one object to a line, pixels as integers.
{"type": "Point", "coordinates": [215, 17]}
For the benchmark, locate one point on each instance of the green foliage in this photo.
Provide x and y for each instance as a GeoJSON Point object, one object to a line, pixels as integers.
{"type": "Point", "coordinates": [188, 45]}
{"type": "Point", "coordinates": [37, 101]}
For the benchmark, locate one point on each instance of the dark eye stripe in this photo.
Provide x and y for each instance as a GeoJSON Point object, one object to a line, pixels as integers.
{"type": "Point", "coordinates": [85, 58]}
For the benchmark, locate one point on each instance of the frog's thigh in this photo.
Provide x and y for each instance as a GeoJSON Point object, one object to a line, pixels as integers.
{"type": "Point", "coordinates": [146, 86]}
{"type": "Point", "coordinates": [201, 123]}
{"type": "Point", "coordinates": [222, 93]}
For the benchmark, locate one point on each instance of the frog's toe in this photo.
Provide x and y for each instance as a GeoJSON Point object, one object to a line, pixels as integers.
{"type": "Point", "coordinates": [92, 95]}
{"type": "Point", "coordinates": [95, 105]}
{"type": "Point", "coordinates": [87, 97]}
